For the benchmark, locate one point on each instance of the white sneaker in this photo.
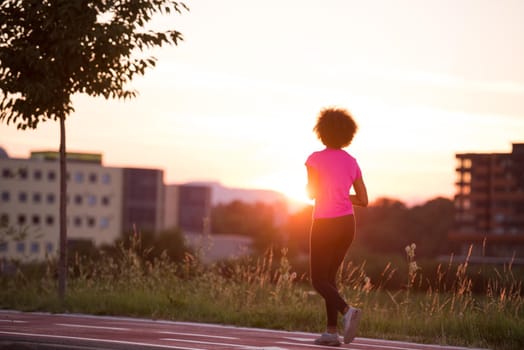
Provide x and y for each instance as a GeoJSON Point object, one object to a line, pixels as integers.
{"type": "Point", "coordinates": [330, 339]}
{"type": "Point", "coordinates": [351, 321]}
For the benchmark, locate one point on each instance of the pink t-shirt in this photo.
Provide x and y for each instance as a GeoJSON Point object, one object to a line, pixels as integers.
{"type": "Point", "coordinates": [337, 170]}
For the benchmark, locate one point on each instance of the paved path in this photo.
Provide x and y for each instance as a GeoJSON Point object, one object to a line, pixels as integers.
{"type": "Point", "coordinates": [19, 330]}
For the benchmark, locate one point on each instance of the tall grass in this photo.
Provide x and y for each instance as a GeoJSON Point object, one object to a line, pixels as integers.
{"type": "Point", "coordinates": [267, 292]}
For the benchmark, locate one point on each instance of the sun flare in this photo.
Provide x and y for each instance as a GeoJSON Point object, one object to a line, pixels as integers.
{"type": "Point", "coordinates": [291, 185]}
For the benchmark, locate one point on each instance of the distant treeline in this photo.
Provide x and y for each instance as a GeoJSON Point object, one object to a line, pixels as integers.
{"type": "Point", "coordinates": [384, 228]}
{"type": "Point", "coordinates": [387, 226]}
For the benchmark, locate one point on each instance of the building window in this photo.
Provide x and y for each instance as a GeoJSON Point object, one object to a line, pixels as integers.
{"type": "Point", "coordinates": [49, 247]}
{"type": "Point", "coordinates": [518, 207]}
{"type": "Point", "coordinates": [498, 230]}
{"type": "Point", "coordinates": [50, 220]}
{"type": "Point", "coordinates": [37, 175]}
{"type": "Point", "coordinates": [106, 179]}
{"type": "Point", "coordinates": [500, 189]}
{"type": "Point", "coordinates": [91, 200]}
{"type": "Point", "coordinates": [21, 219]}
{"type": "Point", "coordinates": [50, 198]}
{"type": "Point", "coordinates": [92, 178]}
{"type": "Point", "coordinates": [105, 200]}
{"type": "Point", "coordinates": [20, 247]}
{"type": "Point", "coordinates": [79, 177]}
{"type": "Point", "coordinates": [35, 220]}
{"type": "Point", "coordinates": [37, 197]}
{"type": "Point", "coordinates": [481, 178]}
{"type": "Point", "coordinates": [4, 219]}
{"type": "Point", "coordinates": [480, 204]}
{"type": "Point", "coordinates": [480, 188]}
{"type": "Point", "coordinates": [5, 196]}
{"type": "Point", "coordinates": [500, 218]}
{"type": "Point", "coordinates": [35, 247]}
{"type": "Point", "coordinates": [78, 199]}
{"type": "Point", "coordinates": [91, 221]}
{"type": "Point", "coordinates": [22, 197]}
{"type": "Point", "coordinates": [6, 173]}
{"type": "Point", "coordinates": [104, 222]}
{"type": "Point", "coordinates": [3, 247]}
{"type": "Point", "coordinates": [77, 221]}
{"type": "Point", "coordinates": [501, 204]}
{"type": "Point", "coordinates": [51, 175]}
{"type": "Point", "coordinates": [22, 172]}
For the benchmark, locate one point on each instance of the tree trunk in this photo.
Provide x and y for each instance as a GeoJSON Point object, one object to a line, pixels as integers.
{"type": "Point", "coordinates": [62, 262]}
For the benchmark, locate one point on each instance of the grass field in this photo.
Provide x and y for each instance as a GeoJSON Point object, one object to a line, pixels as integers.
{"type": "Point", "coordinates": [267, 292]}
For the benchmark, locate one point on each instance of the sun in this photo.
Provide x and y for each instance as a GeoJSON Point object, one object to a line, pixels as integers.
{"type": "Point", "coordinates": [291, 185]}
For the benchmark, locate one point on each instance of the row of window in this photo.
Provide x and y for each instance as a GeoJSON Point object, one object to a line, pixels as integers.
{"type": "Point", "coordinates": [52, 175]}
{"type": "Point", "coordinates": [485, 176]}
{"type": "Point", "coordinates": [467, 188]}
{"type": "Point", "coordinates": [50, 198]}
{"type": "Point", "coordinates": [485, 161]}
{"type": "Point", "coordinates": [515, 207]}
{"type": "Point", "coordinates": [49, 220]}
{"type": "Point", "coordinates": [486, 231]}
{"type": "Point", "coordinates": [28, 247]}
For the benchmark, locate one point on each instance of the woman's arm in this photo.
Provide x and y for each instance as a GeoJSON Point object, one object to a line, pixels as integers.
{"type": "Point", "coordinates": [360, 198]}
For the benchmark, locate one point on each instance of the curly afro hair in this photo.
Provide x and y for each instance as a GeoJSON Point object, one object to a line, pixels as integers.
{"type": "Point", "coordinates": [335, 127]}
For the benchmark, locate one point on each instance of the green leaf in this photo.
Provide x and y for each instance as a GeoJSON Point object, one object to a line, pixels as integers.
{"type": "Point", "coordinates": [51, 50]}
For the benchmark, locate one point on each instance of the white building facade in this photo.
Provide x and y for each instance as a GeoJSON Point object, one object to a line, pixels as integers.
{"type": "Point", "coordinates": [104, 204]}
{"type": "Point", "coordinates": [29, 204]}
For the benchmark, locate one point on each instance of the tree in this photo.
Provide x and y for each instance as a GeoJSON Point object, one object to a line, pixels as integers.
{"type": "Point", "coordinates": [297, 228]}
{"type": "Point", "coordinates": [53, 49]}
{"type": "Point", "coordinates": [388, 226]}
{"type": "Point", "coordinates": [256, 220]}
{"type": "Point", "coordinates": [429, 226]}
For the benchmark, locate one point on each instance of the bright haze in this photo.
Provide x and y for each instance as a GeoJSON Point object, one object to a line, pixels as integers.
{"type": "Point", "coordinates": [237, 100]}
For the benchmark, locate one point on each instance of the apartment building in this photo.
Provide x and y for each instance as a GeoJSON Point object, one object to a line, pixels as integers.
{"type": "Point", "coordinates": [194, 208]}
{"type": "Point", "coordinates": [188, 207]}
{"type": "Point", "coordinates": [143, 200]}
{"type": "Point", "coordinates": [489, 203]}
{"type": "Point", "coordinates": [103, 203]}
{"type": "Point", "coordinates": [29, 203]}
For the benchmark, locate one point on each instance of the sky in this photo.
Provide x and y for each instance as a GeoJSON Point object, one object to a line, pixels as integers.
{"type": "Point", "coordinates": [236, 101]}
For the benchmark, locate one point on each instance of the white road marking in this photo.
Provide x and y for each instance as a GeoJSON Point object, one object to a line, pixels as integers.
{"type": "Point", "coordinates": [242, 346]}
{"type": "Point", "coordinates": [299, 339]}
{"type": "Point", "coordinates": [13, 321]}
{"type": "Point", "coordinates": [409, 346]}
{"type": "Point", "coordinates": [385, 344]}
{"type": "Point", "coordinates": [448, 347]}
{"type": "Point", "coordinates": [91, 327]}
{"type": "Point", "coordinates": [361, 341]}
{"type": "Point", "coordinates": [264, 348]}
{"type": "Point", "coordinates": [96, 340]}
{"type": "Point", "coordinates": [198, 335]}
{"type": "Point", "coordinates": [312, 345]}
{"type": "Point", "coordinates": [378, 346]}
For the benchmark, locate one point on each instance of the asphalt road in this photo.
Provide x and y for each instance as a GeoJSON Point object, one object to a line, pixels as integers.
{"type": "Point", "coordinates": [44, 331]}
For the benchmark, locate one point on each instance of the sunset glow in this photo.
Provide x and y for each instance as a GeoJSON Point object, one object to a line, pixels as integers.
{"type": "Point", "coordinates": [292, 185]}
{"type": "Point", "coordinates": [236, 101]}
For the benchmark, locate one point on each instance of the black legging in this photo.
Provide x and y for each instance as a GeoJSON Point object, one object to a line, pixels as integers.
{"type": "Point", "coordinates": [330, 239]}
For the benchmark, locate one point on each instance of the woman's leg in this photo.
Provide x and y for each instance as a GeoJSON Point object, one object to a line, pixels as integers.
{"type": "Point", "coordinates": [330, 239]}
